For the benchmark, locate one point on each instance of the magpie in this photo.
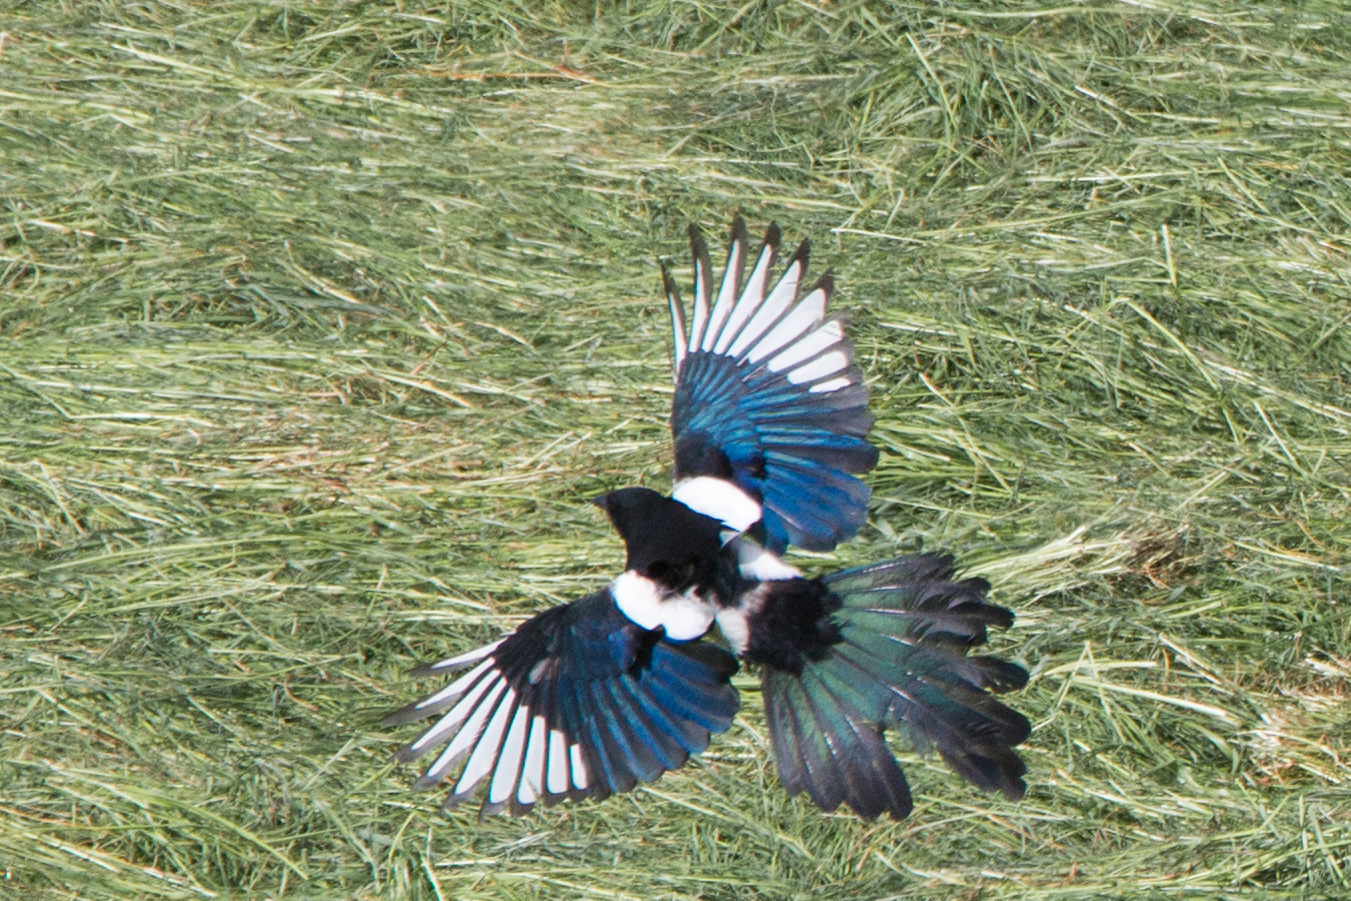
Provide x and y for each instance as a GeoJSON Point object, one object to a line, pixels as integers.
{"type": "Point", "coordinates": [769, 422]}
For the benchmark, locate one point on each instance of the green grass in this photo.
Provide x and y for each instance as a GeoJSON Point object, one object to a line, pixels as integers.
{"type": "Point", "coordinates": [319, 322]}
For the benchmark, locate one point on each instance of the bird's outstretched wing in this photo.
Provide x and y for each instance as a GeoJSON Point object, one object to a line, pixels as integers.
{"type": "Point", "coordinates": [890, 652]}
{"type": "Point", "coordinates": [579, 702]}
{"type": "Point", "coordinates": [768, 399]}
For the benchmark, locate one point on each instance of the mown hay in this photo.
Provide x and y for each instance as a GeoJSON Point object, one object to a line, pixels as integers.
{"type": "Point", "coordinates": [319, 322]}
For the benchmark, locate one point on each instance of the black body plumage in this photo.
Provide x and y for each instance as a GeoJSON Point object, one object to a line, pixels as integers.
{"type": "Point", "coordinates": [792, 621]}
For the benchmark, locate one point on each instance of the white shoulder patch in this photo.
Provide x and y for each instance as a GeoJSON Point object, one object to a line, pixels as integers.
{"type": "Point", "coordinates": [719, 499]}
{"type": "Point", "coordinates": [638, 598]}
{"type": "Point", "coordinates": [683, 616]}
{"type": "Point", "coordinates": [647, 604]}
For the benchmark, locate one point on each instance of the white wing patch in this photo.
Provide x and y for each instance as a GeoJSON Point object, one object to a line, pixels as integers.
{"type": "Point", "coordinates": [495, 732]}
{"type": "Point", "coordinates": [452, 720]}
{"type": "Point", "coordinates": [532, 774]}
{"type": "Point", "coordinates": [578, 767]}
{"type": "Point", "coordinates": [830, 385]}
{"type": "Point", "coordinates": [485, 752]}
{"type": "Point", "coordinates": [467, 733]}
{"type": "Point", "coordinates": [790, 327]}
{"type": "Point", "coordinates": [558, 762]}
{"type": "Point", "coordinates": [769, 312]}
{"type": "Point", "coordinates": [467, 656]}
{"type": "Point", "coordinates": [775, 329]}
{"type": "Point", "coordinates": [824, 365]}
{"type": "Point", "coordinates": [805, 348]}
{"type": "Point", "coordinates": [751, 296]}
{"type": "Point", "coordinates": [457, 687]}
{"type": "Point", "coordinates": [518, 724]}
{"type": "Point", "coordinates": [509, 760]}
{"type": "Point", "coordinates": [736, 256]}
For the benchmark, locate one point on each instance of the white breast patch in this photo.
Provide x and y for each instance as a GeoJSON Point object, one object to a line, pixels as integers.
{"type": "Point", "coordinates": [757, 563]}
{"type": "Point", "coordinates": [734, 622]}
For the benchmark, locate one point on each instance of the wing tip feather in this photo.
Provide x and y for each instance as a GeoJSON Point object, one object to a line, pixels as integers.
{"type": "Point", "coordinates": [773, 235]}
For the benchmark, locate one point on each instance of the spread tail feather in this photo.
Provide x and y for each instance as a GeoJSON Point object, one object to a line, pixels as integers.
{"type": "Point", "coordinates": [823, 745]}
{"type": "Point", "coordinates": [900, 662]}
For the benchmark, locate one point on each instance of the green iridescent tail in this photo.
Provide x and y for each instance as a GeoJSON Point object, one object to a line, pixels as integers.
{"type": "Point", "coordinates": [901, 662]}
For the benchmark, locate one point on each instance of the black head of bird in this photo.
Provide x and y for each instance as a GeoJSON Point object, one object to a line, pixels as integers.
{"type": "Point", "coordinates": [666, 540]}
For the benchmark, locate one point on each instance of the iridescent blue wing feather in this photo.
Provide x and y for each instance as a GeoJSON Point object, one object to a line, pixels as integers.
{"type": "Point", "coordinates": [579, 702]}
{"type": "Point", "coordinates": [768, 397]}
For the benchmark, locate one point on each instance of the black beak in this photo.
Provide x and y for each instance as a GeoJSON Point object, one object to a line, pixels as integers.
{"type": "Point", "coordinates": [602, 501]}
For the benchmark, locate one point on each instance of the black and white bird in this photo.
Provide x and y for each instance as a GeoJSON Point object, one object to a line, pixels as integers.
{"type": "Point", "coordinates": [769, 421]}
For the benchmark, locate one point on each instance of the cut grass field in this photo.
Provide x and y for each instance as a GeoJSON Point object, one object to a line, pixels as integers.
{"type": "Point", "coordinates": [320, 321]}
